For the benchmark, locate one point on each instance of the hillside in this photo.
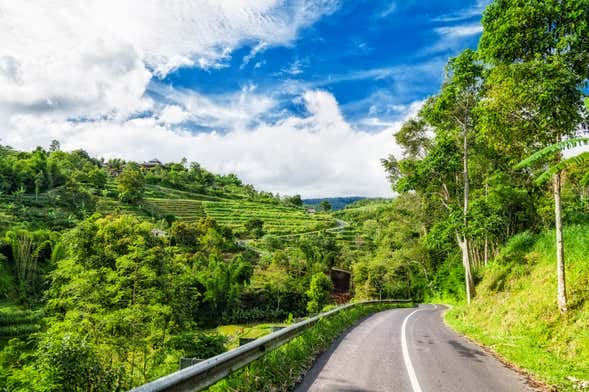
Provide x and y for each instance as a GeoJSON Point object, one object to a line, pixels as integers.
{"type": "Point", "coordinates": [91, 250]}
{"type": "Point", "coordinates": [515, 313]}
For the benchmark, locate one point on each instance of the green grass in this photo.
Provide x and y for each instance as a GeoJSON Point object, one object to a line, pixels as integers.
{"type": "Point", "coordinates": [515, 311]}
{"type": "Point", "coordinates": [282, 368]}
{"type": "Point", "coordinates": [252, 331]}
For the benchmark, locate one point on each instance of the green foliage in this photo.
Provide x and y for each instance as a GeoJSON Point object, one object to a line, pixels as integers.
{"type": "Point", "coordinates": [30, 256]}
{"type": "Point", "coordinates": [199, 344]}
{"type": "Point", "coordinates": [131, 183]}
{"type": "Point", "coordinates": [325, 205]}
{"type": "Point", "coordinates": [7, 285]}
{"type": "Point", "coordinates": [72, 365]}
{"type": "Point", "coordinates": [255, 227]}
{"type": "Point", "coordinates": [516, 248]}
{"type": "Point", "coordinates": [293, 201]}
{"type": "Point", "coordinates": [318, 292]}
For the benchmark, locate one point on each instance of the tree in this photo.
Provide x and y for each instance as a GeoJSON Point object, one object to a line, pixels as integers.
{"type": "Point", "coordinates": [294, 201]}
{"type": "Point", "coordinates": [454, 110]}
{"type": "Point", "coordinates": [131, 183]}
{"type": "Point", "coordinates": [536, 82]}
{"type": "Point", "coordinates": [318, 292]}
{"type": "Point", "coordinates": [72, 365]}
{"type": "Point", "coordinates": [255, 227]}
{"type": "Point", "coordinates": [54, 146]}
{"type": "Point", "coordinates": [441, 166]}
{"type": "Point", "coordinates": [325, 205]}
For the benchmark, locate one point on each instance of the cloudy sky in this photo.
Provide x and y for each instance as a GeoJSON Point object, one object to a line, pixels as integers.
{"type": "Point", "coordinates": [294, 96]}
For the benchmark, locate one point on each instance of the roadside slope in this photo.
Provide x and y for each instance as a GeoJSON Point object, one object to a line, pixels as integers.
{"type": "Point", "coordinates": [515, 312]}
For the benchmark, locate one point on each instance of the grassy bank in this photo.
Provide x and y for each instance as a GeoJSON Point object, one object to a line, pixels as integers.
{"type": "Point", "coordinates": [283, 368]}
{"type": "Point", "coordinates": [515, 311]}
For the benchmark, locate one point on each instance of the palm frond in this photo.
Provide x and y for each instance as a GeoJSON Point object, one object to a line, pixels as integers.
{"type": "Point", "coordinates": [553, 148]}
{"type": "Point", "coordinates": [563, 165]}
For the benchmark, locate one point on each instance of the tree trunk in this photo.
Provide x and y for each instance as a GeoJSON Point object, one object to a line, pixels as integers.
{"type": "Point", "coordinates": [468, 281]}
{"type": "Point", "coordinates": [486, 235]}
{"type": "Point", "coordinates": [463, 241]}
{"type": "Point", "coordinates": [560, 266]}
{"type": "Point", "coordinates": [486, 250]}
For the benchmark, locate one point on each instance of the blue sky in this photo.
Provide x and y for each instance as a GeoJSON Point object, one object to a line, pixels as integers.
{"type": "Point", "coordinates": [374, 56]}
{"type": "Point", "coordinates": [294, 96]}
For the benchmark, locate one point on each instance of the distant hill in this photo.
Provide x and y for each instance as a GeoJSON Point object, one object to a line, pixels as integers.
{"type": "Point", "coordinates": [337, 203]}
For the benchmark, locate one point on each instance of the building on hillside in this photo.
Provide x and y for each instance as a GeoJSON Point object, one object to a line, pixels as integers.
{"type": "Point", "coordinates": [311, 211]}
{"type": "Point", "coordinates": [151, 164]}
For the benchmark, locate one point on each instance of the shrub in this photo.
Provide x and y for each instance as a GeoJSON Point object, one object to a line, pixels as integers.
{"type": "Point", "coordinates": [318, 292]}
{"type": "Point", "coordinates": [199, 344]}
{"type": "Point", "coordinates": [72, 365]}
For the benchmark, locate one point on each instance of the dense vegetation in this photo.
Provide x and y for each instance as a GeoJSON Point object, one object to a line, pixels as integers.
{"type": "Point", "coordinates": [485, 161]}
{"type": "Point", "coordinates": [112, 271]}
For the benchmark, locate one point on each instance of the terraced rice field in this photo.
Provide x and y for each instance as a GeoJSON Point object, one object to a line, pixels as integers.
{"type": "Point", "coordinates": [278, 220]}
{"type": "Point", "coordinates": [15, 322]}
{"type": "Point", "coordinates": [183, 209]}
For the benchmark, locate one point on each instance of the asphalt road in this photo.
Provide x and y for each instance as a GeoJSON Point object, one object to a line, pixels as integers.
{"type": "Point", "coordinates": [409, 350]}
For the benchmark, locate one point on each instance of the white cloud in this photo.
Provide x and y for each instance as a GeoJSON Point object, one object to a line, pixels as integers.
{"type": "Point", "coordinates": [453, 38]}
{"type": "Point", "coordinates": [390, 8]}
{"type": "Point", "coordinates": [296, 67]}
{"type": "Point", "coordinates": [173, 114]}
{"type": "Point", "coordinates": [95, 58]}
{"type": "Point", "coordinates": [260, 47]}
{"type": "Point", "coordinates": [221, 112]}
{"type": "Point", "coordinates": [317, 155]}
{"type": "Point", "coordinates": [79, 71]}
{"type": "Point", "coordinates": [465, 13]}
{"type": "Point", "coordinates": [460, 30]}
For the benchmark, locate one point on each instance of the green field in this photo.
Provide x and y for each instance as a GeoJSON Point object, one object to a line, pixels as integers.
{"type": "Point", "coordinates": [278, 220]}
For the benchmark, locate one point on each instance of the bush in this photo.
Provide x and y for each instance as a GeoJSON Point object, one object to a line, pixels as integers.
{"type": "Point", "coordinates": [71, 365]}
{"type": "Point", "coordinates": [6, 278]}
{"type": "Point", "coordinates": [199, 344]}
{"type": "Point", "coordinates": [318, 292]}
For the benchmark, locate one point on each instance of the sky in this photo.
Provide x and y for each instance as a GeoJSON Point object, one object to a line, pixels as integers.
{"type": "Point", "coordinates": [293, 96]}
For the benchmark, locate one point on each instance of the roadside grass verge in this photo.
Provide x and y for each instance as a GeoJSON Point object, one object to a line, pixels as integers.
{"type": "Point", "coordinates": [282, 368]}
{"type": "Point", "coordinates": [234, 332]}
{"type": "Point", "coordinates": [516, 315]}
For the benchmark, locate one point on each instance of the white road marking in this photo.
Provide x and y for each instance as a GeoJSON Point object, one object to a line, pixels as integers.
{"type": "Point", "coordinates": [412, 376]}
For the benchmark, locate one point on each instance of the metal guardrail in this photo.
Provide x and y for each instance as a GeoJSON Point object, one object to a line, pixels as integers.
{"type": "Point", "coordinates": [208, 372]}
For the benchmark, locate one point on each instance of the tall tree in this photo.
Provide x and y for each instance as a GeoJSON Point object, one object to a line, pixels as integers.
{"type": "Point", "coordinates": [131, 183]}
{"type": "Point", "coordinates": [540, 56]}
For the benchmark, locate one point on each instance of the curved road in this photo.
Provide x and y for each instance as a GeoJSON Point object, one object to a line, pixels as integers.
{"type": "Point", "coordinates": [409, 350]}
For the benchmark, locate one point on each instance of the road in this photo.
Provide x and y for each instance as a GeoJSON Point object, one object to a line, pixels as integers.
{"type": "Point", "coordinates": [409, 350]}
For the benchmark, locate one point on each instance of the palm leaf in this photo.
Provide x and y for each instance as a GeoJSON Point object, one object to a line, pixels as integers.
{"type": "Point", "coordinates": [553, 148]}
{"type": "Point", "coordinates": [563, 165]}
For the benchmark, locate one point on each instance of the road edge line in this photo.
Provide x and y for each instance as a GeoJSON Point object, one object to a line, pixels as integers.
{"type": "Point", "coordinates": [406, 358]}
